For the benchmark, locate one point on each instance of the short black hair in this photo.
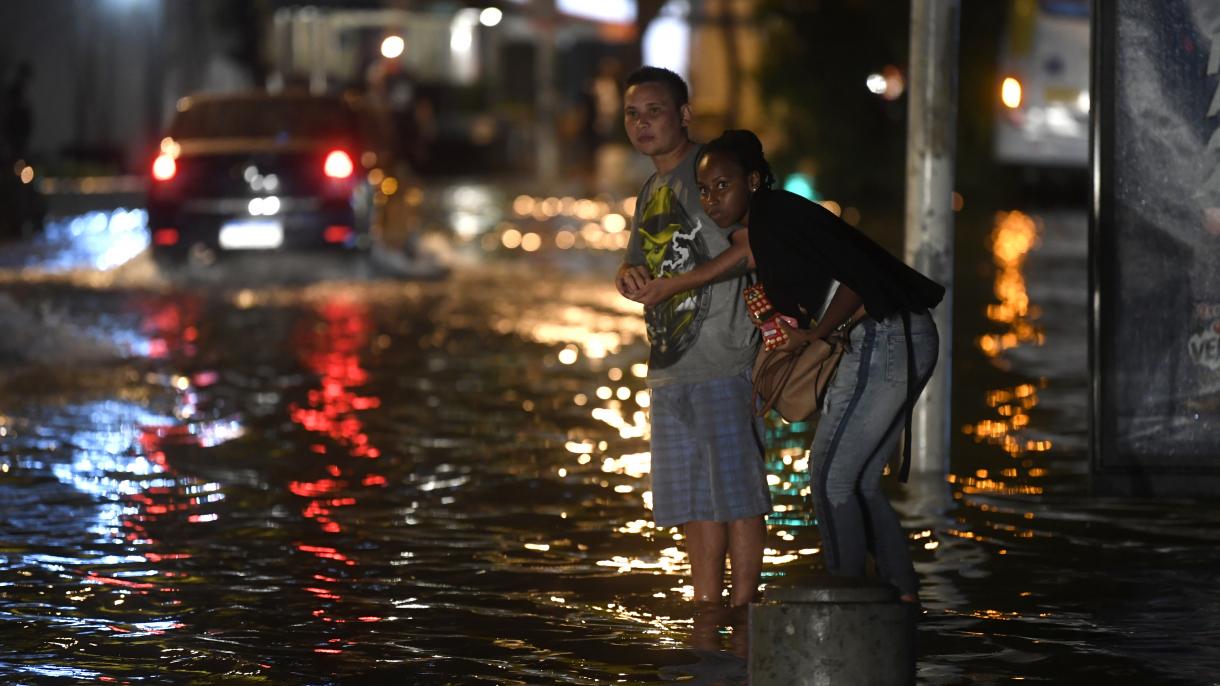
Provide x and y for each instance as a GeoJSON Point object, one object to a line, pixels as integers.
{"type": "Point", "coordinates": [745, 148]}
{"type": "Point", "coordinates": [671, 81]}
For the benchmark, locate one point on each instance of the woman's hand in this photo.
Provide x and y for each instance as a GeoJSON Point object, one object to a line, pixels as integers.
{"type": "Point", "coordinates": [796, 338]}
{"type": "Point", "coordinates": [657, 291]}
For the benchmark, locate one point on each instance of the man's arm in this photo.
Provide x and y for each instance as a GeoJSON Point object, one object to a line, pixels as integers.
{"type": "Point", "coordinates": [735, 260]}
{"type": "Point", "coordinates": [632, 274]}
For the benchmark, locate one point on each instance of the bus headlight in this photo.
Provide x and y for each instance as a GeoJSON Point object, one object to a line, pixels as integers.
{"type": "Point", "coordinates": [1010, 93]}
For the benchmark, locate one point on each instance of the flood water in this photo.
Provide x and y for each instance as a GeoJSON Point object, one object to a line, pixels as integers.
{"type": "Point", "coordinates": [354, 472]}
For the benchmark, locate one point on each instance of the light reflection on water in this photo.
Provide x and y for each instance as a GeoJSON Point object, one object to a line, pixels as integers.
{"type": "Point", "coordinates": [97, 240]}
{"type": "Point", "coordinates": [1010, 427]}
{"type": "Point", "coordinates": [364, 480]}
{"type": "Point", "coordinates": [1013, 237]}
{"type": "Point", "coordinates": [1037, 558]}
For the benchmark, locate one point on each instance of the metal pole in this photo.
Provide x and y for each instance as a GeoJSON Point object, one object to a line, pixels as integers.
{"type": "Point", "coordinates": [545, 97]}
{"type": "Point", "coordinates": [315, 22]}
{"type": "Point", "coordinates": [931, 145]}
{"type": "Point", "coordinates": [281, 42]}
{"type": "Point", "coordinates": [154, 77]}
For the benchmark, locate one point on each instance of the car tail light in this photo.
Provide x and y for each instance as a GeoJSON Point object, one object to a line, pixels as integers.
{"type": "Point", "coordinates": [338, 165]}
{"type": "Point", "coordinates": [337, 233]}
{"type": "Point", "coordinates": [164, 167]}
{"type": "Point", "coordinates": [165, 236]}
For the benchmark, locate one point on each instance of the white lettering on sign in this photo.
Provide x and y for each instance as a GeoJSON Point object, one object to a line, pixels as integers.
{"type": "Point", "coordinates": [1205, 347]}
{"type": "Point", "coordinates": [1213, 66]}
{"type": "Point", "coordinates": [1213, 143]}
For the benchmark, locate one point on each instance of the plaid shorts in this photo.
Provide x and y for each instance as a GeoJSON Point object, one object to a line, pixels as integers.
{"type": "Point", "coordinates": [707, 452]}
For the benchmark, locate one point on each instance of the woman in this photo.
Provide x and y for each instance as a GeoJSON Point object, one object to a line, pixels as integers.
{"type": "Point", "coordinates": [801, 249]}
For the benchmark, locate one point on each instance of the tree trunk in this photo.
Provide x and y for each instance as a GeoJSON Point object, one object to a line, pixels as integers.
{"type": "Point", "coordinates": [646, 11]}
{"type": "Point", "coordinates": [732, 62]}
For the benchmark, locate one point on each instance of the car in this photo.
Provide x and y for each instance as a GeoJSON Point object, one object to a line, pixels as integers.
{"type": "Point", "coordinates": [259, 171]}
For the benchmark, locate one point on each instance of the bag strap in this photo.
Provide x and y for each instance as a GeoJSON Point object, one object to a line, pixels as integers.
{"type": "Point", "coordinates": [904, 471]}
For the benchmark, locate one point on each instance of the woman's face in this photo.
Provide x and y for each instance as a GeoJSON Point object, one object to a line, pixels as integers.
{"type": "Point", "coordinates": [724, 189]}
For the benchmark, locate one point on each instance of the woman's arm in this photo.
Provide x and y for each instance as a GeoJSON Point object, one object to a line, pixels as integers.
{"type": "Point", "coordinates": [737, 258]}
{"type": "Point", "coordinates": [843, 304]}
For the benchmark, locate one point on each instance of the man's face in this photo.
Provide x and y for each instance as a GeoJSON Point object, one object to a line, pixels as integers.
{"type": "Point", "coordinates": [654, 124]}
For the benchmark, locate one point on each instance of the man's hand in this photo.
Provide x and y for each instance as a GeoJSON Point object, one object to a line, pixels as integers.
{"type": "Point", "coordinates": [630, 280]}
{"type": "Point", "coordinates": [657, 291]}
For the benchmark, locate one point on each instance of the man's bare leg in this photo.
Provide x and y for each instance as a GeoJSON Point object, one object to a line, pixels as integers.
{"type": "Point", "coordinates": [705, 546]}
{"type": "Point", "coordinates": [746, 540]}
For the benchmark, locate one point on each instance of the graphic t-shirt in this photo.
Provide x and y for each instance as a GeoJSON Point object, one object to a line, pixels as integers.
{"type": "Point", "coordinates": [698, 334]}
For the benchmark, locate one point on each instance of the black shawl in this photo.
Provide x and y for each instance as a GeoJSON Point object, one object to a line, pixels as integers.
{"type": "Point", "coordinates": [799, 246]}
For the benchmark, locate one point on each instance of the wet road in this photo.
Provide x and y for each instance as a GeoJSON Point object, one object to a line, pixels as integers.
{"type": "Point", "coordinates": [363, 471]}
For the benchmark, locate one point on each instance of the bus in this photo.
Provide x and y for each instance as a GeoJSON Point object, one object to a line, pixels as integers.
{"type": "Point", "coordinates": [1043, 85]}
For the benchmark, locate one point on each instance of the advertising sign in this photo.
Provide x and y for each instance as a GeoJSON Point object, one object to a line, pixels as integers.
{"type": "Point", "coordinates": [1155, 245]}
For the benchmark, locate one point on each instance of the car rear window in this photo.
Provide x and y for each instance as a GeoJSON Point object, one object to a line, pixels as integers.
{"type": "Point", "coordinates": [264, 118]}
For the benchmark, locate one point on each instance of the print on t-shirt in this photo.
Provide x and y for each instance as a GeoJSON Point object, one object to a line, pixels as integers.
{"type": "Point", "coordinates": [672, 245]}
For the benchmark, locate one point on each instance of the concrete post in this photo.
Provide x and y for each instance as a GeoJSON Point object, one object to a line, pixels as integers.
{"type": "Point", "coordinates": [846, 631]}
{"type": "Point", "coordinates": [931, 145]}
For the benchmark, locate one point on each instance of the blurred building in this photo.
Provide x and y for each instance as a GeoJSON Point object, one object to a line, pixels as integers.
{"type": "Point", "coordinates": [106, 72]}
{"type": "Point", "coordinates": [493, 86]}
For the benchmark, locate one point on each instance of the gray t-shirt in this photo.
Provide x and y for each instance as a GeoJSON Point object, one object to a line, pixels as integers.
{"type": "Point", "coordinates": [698, 334]}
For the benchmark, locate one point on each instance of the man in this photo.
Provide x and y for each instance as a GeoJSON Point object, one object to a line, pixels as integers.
{"type": "Point", "coordinates": [707, 465]}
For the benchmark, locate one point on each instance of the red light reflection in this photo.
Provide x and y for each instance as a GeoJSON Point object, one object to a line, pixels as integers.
{"type": "Point", "coordinates": [332, 351]}
{"type": "Point", "coordinates": [172, 327]}
{"type": "Point", "coordinates": [330, 346]}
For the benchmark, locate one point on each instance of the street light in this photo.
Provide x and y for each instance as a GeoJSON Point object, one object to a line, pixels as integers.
{"type": "Point", "coordinates": [889, 84]}
{"type": "Point", "coordinates": [666, 43]}
{"type": "Point", "coordinates": [392, 47]}
{"type": "Point", "coordinates": [611, 11]}
{"type": "Point", "coordinates": [875, 83]}
{"type": "Point", "coordinates": [490, 16]}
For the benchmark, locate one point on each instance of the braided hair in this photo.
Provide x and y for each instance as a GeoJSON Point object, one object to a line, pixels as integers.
{"type": "Point", "coordinates": [744, 148]}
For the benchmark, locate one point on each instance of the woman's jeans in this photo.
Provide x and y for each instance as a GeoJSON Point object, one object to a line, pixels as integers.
{"type": "Point", "coordinates": [862, 422]}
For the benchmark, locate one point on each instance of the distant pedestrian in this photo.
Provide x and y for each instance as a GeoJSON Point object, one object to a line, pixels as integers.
{"type": "Point", "coordinates": [18, 115]}
{"type": "Point", "coordinates": [801, 249]}
{"type": "Point", "coordinates": [607, 99]}
{"type": "Point", "coordinates": [21, 206]}
{"type": "Point", "coordinates": [707, 469]}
